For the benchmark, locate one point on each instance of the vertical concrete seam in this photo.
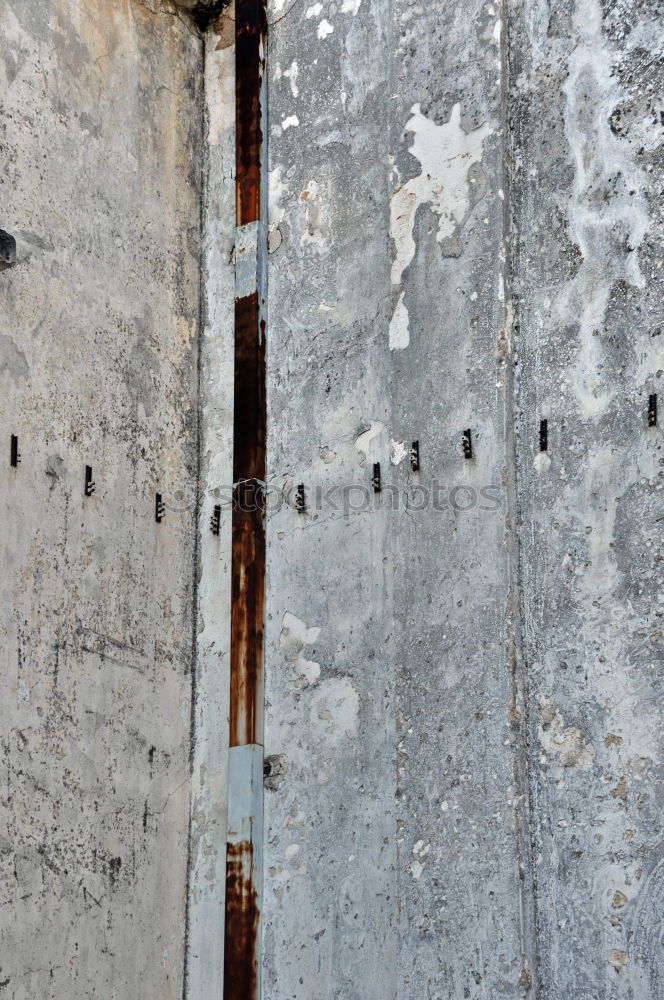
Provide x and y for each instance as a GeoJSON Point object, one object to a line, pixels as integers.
{"type": "Point", "coordinates": [204, 154]}
{"type": "Point", "coordinates": [518, 703]}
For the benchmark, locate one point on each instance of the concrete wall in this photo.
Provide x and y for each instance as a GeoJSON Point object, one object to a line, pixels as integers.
{"type": "Point", "coordinates": [465, 704]}
{"type": "Point", "coordinates": [586, 210]}
{"type": "Point", "coordinates": [463, 709]}
{"type": "Point", "coordinates": [101, 112]}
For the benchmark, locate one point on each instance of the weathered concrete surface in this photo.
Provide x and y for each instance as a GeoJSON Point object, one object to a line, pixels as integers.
{"type": "Point", "coordinates": [205, 963]}
{"type": "Point", "coordinates": [330, 821]}
{"type": "Point", "coordinates": [463, 717]}
{"type": "Point", "coordinates": [392, 853]}
{"type": "Point", "coordinates": [462, 704]}
{"type": "Point", "coordinates": [586, 114]}
{"type": "Point", "coordinates": [100, 186]}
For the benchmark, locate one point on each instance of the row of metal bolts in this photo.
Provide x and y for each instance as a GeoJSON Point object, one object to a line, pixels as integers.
{"type": "Point", "coordinates": [300, 500]}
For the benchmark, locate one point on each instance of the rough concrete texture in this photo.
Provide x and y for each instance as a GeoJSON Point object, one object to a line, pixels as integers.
{"type": "Point", "coordinates": [586, 112]}
{"type": "Point", "coordinates": [463, 717]}
{"type": "Point", "coordinates": [464, 703]}
{"type": "Point", "coordinates": [100, 186]}
{"type": "Point", "coordinates": [205, 939]}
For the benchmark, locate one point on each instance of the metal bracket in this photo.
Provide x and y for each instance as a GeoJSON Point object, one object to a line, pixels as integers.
{"type": "Point", "coordinates": [215, 520]}
{"type": "Point", "coordinates": [415, 456]}
{"type": "Point", "coordinates": [7, 250]}
{"type": "Point", "coordinates": [544, 435]}
{"type": "Point", "coordinates": [375, 479]}
{"type": "Point", "coordinates": [467, 443]}
{"type": "Point", "coordinates": [159, 508]}
{"type": "Point", "coordinates": [300, 499]}
{"type": "Point", "coordinates": [14, 453]}
{"type": "Point", "coordinates": [89, 482]}
{"type": "Point", "coordinates": [652, 410]}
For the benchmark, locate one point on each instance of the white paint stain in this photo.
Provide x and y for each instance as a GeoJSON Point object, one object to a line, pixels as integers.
{"type": "Point", "coordinates": [446, 153]}
{"type": "Point", "coordinates": [416, 868]}
{"type": "Point", "coordinates": [398, 452]}
{"type": "Point", "coordinates": [295, 635]}
{"type": "Point", "coordinates": [291, 74]}
{"type": "Point", "coordinates": [314, 10]}
{"type": "Point", "coordinates": [291, 122]}
{"type": "Point", "coordinates": [324, 29]}
{"type": "Point", "coordinates": [351, 7]}
{"type": "Point", "coordinates": [363, 441]}
{"type": "Point", "coordinates": [399, 326]}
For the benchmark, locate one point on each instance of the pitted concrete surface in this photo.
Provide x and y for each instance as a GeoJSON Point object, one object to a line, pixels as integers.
{"type": "Point", "coordinates": [100, 186]}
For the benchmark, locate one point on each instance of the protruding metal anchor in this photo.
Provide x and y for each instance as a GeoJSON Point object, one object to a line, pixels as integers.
{"type": "Point", "coordinates": [89, 482]}
{"type": "Point", "coordinates": [215, 520]}
{"type": "Point", "coordinates": [7, 250]}
{"type": "Point", "coordinates": [652, 410]}
{"type": "Point", "coordinates": [159, 508]}
{"type": "Point", "coordinates": [467, 443]}
{"type": "Point", "coordinates": [14, 453]}
{"type": "Point", "coordinates": [375, 479]}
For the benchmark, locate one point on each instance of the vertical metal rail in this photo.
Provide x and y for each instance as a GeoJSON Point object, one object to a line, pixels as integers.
{"type": "Point", "coordinates": [242, 967]}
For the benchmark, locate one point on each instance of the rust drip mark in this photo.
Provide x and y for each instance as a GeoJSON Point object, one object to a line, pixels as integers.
{"type": "Point", "coordinates": [250, 39]}
{"type": "Point", "coordinates": [241, 930]}
{"type": "Point", "coordinates": [248, 560]}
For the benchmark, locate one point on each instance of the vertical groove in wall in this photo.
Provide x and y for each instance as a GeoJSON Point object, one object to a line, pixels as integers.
{"type": "Point", "coordinates": [519, 702]}
{"type": "Point", "coordinates": [242, 976]}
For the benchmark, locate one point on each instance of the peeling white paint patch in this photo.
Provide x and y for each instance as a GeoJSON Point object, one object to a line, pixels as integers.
{"type": "Point", "coordinates": [324, 29]}
{"type": "Point", "coordinates": [608, 214]}
{"type": "Point", "coordinates": [295, 635]}
{"type": "Point", "coordinates": [351, 7]}
{"type": "Point", "coordinates": [541, 462]}
{"type": "Point", "coordinates": [363, 441]}
{"type": "Point", "coordinates": [334, 713]}
{"type": "Point", "coordinates": [314, 10]}
{"type": "Point", "coordinates": [416, 868]}
{"type": "Point", "coordinates": [291, 122]}
{"type": "Point", "coordinates": [292, 74]}
{"type": "Point", "coordinates": [327, 454]}
{"type": "Point", "coordinates": [278, 6]}
{"type": "Point", "coordinates": [420, 849]}
{"type": "Point", "coordinates": [446, 153]}
{"type": "Point", "coordinates": [399, 326]}
{"type": "Point", "coordinates": [568, 744]}
{"type": "Point", "coordinates": [398, 452]}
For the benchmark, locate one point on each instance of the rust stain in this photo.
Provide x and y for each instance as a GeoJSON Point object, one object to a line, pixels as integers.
{"type": "Point", "coordinates": [248, 560]}
{"type": "Point", "coordinates": [241, 931]}
{"type": "Point", "coordinates": [250, 40]}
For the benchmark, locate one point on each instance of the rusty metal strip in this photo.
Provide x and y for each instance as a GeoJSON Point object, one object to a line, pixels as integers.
{"type": "Point", "coordinates": [250, 40]}
{"type": "Point", "coordinates": [242, 967]}
{"type": "Point", "coordinates": [248, 566]}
